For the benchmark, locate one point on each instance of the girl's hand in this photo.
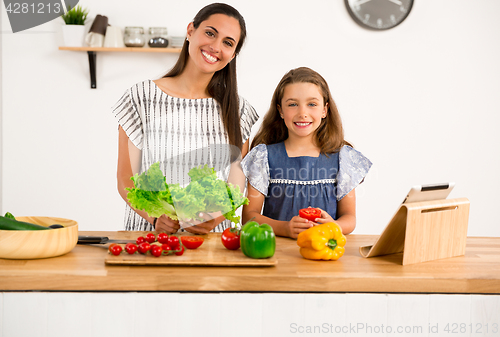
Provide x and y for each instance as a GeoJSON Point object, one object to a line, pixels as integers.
{"type": "Point", "coordinates": [298, 225]}
{"type": "Point", "coordinates": [325, 217]}
{"type": "Point", "coordinates": [167, 225]}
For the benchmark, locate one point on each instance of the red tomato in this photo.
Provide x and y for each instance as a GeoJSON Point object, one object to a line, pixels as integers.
{"type": "Point", "coordinates": [173, 241]}
{"type": "Point", "coordinates": [310, 213]}
{"type": "Point", "coordinates": [144, 247]}
{"type": "Point", "coordinates": [166, 247]}
{"type": "Point", "coordinates": [150, 237]}
{"type": "Point", "coordinates": [115, 249]}
{"type": "Point", "coordinates": [156, 250]}
{"type": "Point", "coordinates": [192, 242]}
{"type": "Point", "coordinates": [180, 251]}
{"type": "Point", "coordinates": [231, 238]}
{"type": "Point", "coordinates": [130, 248]}
{"type": "Point", "coordinates": [162, 237]}
{"type": "Point", "coordinates": [140, 240]}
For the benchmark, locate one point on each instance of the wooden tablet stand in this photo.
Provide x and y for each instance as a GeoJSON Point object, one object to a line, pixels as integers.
{"type": "Point", "coordinates": [424, 231]}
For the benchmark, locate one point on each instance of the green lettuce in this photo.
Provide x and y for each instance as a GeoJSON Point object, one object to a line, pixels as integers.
{"type": "Point", "coordinates": [205, 193]}
{"type": "Point", "coordinates": [151, 193]}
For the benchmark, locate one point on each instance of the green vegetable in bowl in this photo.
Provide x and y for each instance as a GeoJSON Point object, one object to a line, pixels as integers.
{"type": "Point", "coordinates": [9, 222]}
{"type": "Point", "coordinates": [205, 193]}
{"type": "Point", "coordinates": [10, 216]}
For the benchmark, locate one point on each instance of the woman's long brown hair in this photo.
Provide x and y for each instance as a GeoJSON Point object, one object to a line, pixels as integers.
{"type": "Point", "coordinates": [329, 136]}
{"type": "Point", "coordinates": [222, 87]}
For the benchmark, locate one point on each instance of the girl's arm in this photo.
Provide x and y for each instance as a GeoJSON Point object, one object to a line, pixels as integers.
{"type": "Point", "coordinates": [129, 163]}
{"type": "Point", "coordinates": [290, 228]}
{"type": "Point", "coordinates": [346, 214]}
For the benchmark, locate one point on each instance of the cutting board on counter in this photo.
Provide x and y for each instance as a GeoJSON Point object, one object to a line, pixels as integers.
{"type": "Point", "coordinates": [210, 253]}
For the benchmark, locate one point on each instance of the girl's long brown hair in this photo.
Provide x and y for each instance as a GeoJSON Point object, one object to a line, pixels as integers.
{"type": "Point", "coordinates": [329, 136]}
{"type": "Point", "coordinates": [222, 87]}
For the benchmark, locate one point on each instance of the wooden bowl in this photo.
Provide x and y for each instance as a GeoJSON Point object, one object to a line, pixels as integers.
{"type": "Point", "coordinates": [39, 244]}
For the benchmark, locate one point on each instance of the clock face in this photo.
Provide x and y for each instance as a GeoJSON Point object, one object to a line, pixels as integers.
{"type": "Point", "coordinates": [379, 14]}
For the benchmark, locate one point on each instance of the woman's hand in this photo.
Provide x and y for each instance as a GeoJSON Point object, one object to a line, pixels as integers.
{"type": "Point", "coordinates": [297, 225]}
{"type": "Point", "coordinates": [325, 217]}
{"type": "Point", "coordinates": [209, 222]}
{"type": "Point", "coordinates": [167, 225]}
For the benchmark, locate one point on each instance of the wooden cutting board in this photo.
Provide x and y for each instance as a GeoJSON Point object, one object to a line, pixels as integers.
{"type": "Point", "coordinates": [210, 253]}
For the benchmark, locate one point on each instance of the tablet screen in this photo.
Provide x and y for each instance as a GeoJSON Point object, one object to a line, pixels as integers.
{"type": "Point", "coordinates": [429, 192]}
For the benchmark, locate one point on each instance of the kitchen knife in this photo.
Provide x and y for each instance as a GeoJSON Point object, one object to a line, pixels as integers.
{"type": "Point", "coordinates": [96, 240]}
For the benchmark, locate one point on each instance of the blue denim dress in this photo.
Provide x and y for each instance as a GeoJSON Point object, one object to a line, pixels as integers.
{"type": "Point", "coordinates": [292, 183]}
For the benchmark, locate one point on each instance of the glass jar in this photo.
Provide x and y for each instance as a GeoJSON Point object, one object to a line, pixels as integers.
{"type": "Point", "coordinates": [134, 37]}
{"type": "Point", "coordinates": [158, 37]}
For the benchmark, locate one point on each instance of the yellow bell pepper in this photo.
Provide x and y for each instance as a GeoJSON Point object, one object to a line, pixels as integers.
{"type": "Point", "coordinates": [322, 242]}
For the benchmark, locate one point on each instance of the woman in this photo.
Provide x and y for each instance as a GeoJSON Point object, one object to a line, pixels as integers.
{"type": "Point", "coordinates": [190, 117]}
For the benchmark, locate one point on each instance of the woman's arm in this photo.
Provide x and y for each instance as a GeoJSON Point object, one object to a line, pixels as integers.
{"type": "Point", "coordinates": [236, 175]}
{"type": "Point", "coordinates": [290, 228]}
{"type": "Point", "coordinates": [129, 163]}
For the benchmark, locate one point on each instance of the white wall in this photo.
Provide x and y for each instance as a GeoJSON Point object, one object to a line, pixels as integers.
{"type": "Point", "coordinates": [420, 100]}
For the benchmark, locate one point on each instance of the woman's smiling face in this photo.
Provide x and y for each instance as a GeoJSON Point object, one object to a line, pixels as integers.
{"type": "Point", "coordinates": [302, 108]}
{"type": "Point", "coordinates": [213, 44]}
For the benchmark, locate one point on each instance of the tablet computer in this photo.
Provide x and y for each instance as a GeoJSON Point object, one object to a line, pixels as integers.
{"type": "Point", "coordinates": [429, 192]}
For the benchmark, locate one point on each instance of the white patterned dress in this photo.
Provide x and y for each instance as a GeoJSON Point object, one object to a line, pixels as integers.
{"type": "Point", "coordinates": [179, 133]}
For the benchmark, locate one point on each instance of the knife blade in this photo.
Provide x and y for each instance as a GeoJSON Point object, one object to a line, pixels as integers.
{"type": "Point", "coordinates": [96, 240]}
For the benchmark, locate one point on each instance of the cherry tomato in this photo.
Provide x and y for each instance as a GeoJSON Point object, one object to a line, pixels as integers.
{"type": "Point", "coordinates": [231, 238]}
{"type": "Point", "coordinates": [140, 240]}
{"type": "Point", "coordinates": [150, 237]}
{"type": "Point", "coordinates": [192, 242]}
{"type": "Point", "coordinates": [130, 248]}
{"type": "Point", "coordinates": [180, 251]}
{"type": "Point", "coordinates": [144, 247]}
{"type": "Point", "coordinates": [173, 241]}
{"type": "Point", "coordinates": [166, 247]}
{"type": "Point", "coordinates": [156, 250]}
{"type": "Point", "coordinates": [115, 249]}
{"type": "Point", "coordinates": [162, 237]}
{"type": "Point", "coordinates": [310, 213]}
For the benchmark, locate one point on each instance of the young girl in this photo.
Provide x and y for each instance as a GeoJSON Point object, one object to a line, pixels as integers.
{"type": "Point", "coordinates": [192, 116]}
{"type": "Point", "coordinates": [299, 159]}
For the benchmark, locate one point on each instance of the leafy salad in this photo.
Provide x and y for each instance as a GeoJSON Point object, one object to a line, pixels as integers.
{"type": "Point", "coordinates": [205, 193]}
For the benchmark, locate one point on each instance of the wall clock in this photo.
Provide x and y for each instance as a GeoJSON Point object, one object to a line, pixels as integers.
{"type": "Point", "coordinates": [379, 14]}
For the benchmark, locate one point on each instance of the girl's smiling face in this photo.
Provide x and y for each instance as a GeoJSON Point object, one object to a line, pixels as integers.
{"type": "Point", "coordinates": [302, 108]}
{"type": "Point", "coordinates": [213, 44]}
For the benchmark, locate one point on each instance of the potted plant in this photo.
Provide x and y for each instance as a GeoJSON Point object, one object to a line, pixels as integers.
{"type": "Point", "coordinates": [74, 28]}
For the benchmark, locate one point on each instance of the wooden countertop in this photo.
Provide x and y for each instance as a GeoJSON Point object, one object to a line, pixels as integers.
{"type": "Point", "coordinates": [83, 269]}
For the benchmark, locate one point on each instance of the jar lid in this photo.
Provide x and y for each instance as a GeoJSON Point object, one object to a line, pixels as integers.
{"type": "Point", "coordinates": [153, 30]}
{"type": "Point", "coordinates": [134, 29]}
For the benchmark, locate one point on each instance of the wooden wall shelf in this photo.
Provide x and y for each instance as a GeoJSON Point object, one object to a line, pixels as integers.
{"type": "Point", "coordinates": [91, 51]}
{"type": "Point", "coordinates": [126, 49]}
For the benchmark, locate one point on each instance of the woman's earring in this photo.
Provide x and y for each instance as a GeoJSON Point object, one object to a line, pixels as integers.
{"type": "Point", "coordinates": [187, 39]}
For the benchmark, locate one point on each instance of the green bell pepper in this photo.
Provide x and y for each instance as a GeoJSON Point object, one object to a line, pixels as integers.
{"type": "Point", "coordinates": [257, 241]}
